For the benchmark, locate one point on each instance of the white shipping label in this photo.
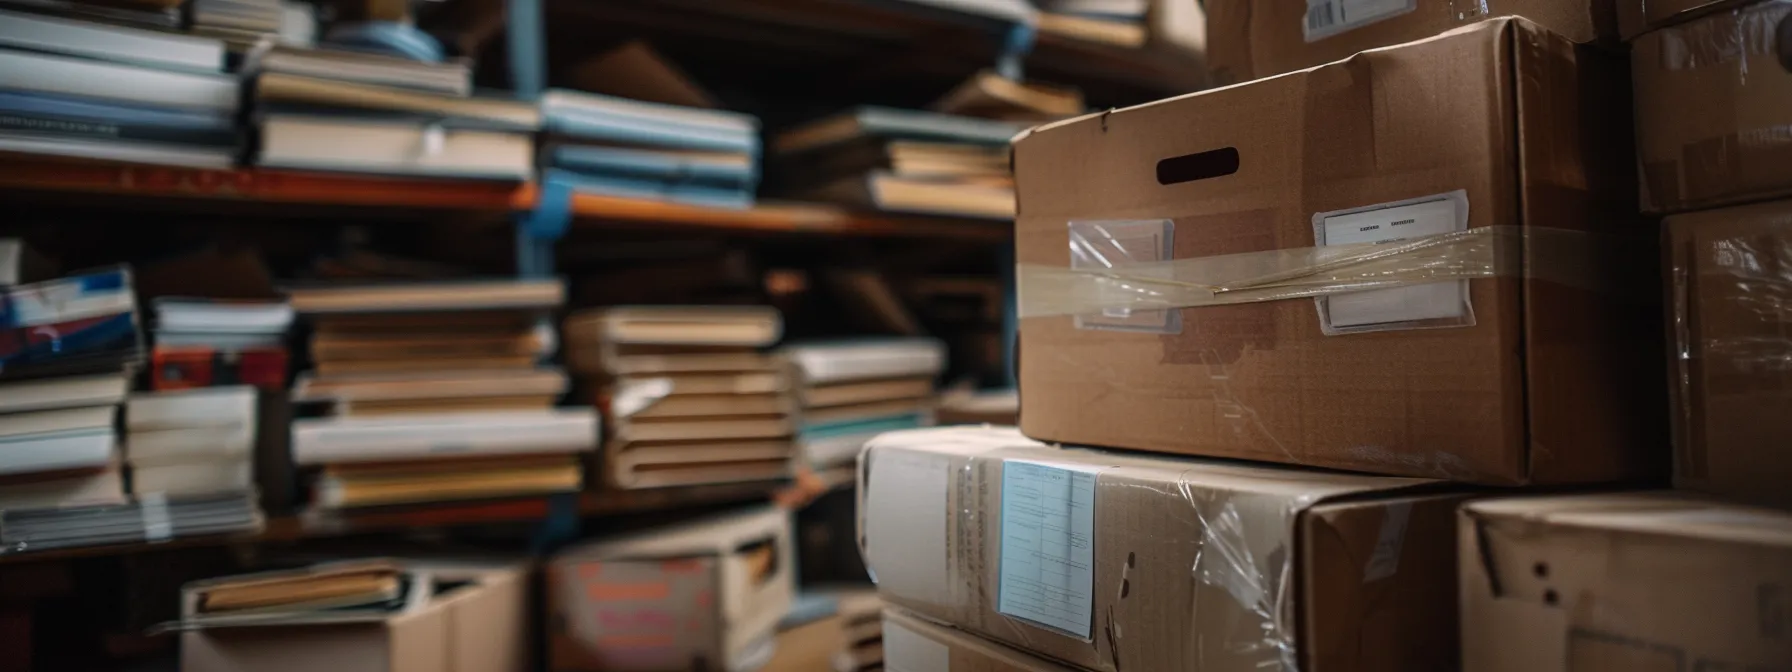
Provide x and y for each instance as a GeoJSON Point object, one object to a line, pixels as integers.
{"type": "Point", "coordinates": [1048, 545]}
{"type": "Point", "coordinates": [1326, 18]}
{"type": "Point", "coordinates": [907, 651]}
{"type": "Point", "coordinates": [1405, 304]}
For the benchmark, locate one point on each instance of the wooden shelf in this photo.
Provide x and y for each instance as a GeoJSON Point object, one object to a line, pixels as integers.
{"type": "Point", "coordinates": [596, 211]}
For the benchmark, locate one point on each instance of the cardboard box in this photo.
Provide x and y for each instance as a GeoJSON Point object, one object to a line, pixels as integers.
{"type": "Point", "coordinates": [705, 595]}
{"type": "Point", "coordinates": [1636, 17]}
{"type": "Point", "coordinates": [1627, 581]}
{"type": "Point", "coordinates": [1732, 329]}
{"type": "Point", "coordinates": [1553, 381]}
{"type": "Point", "coordinates": [1252, 39]}
{"type": "Point", "coordinates": [911, 643]}
{"type": "Point", "coordinates": [480, 626]}
{"type": "Point", "coordinates": [1131, 562]}
{"type": "Point", "coordinates": [1735, 143]}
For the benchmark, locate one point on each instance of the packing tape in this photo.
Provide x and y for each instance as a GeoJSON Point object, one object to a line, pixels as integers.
{"type": "Point", "coordinates": [158, 526]}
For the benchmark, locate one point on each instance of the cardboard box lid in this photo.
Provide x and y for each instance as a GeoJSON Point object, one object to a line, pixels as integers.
{"type": "Point", "coordinates": [1238, 524]}
{"type": "Point", "coordinates": [1624, 581]}
{"type": "Point", "coordinates": [914, 644]}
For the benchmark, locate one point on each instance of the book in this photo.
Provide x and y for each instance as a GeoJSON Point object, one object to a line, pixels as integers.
{"type": "Point", "coordinates": [987, 94]}
{"type": "Point", "coordinates": [57, 451]}
{"type": "Point", "coordinates": [154, 49]}
{"type": "Point", "coordinates": [186, 315]}
{"type": "Point", "coordinates": [193, 478]}
{"type": "Point", "coordinates": [894, 124]}
{"type": "Point", "coordinates": [869, 359]}
{"type": "Point", "coordinates": [164, 17]}
{"type": "Point", "coordinates": [710, 405]}
{"type": "Point", "coordinates": [75, 76]}
{"type": "Point", "coordinates": [453, 77]}
{"type": "Point", "coordinates": [720, 427]}
{"type": "Point", "coordinates": [211, 423]}
{"type": "Point", "coordinates": [735, 197]}
{"type": "Point", "coordinates": [354, 488]}
{"type": "Point", "coordinates": [485, 404]}
{"type": "Point", "coordinates": [742, 326]}
{"type": "Point", "coordinates": [660, 385]}
{"type": "Point", "coordinates": [895, 193]}
{"type": "Point", "coordinates": [51, 116]}
{"type": "Point", "coordinates": [657, 465]}
{"type": "Point", "coordinates": [329, 586]}
{"type": "Point", "coordinates": [428, 297]}
{"type": "Point", "coordinates": [79, 487]}
{"type": "Point", "coordinates": [14, 425]}
{"type": "Point", "coordinates": [333, 440]}
{"type": "Point", "coordinates": [375, 346]}
{"type": "Point", "coordinates": [121, 151]}
{"type": "Point", "coordinates": [827, 415]}
{"type": "Point", "coordinates": [1124, 33]}
{"type": "Point", "coordinates": [677, 166]}
{"type": "Point", "coordinates": [598, 109]}
{"type": "Point", "coordinates": [428, 385]}
{"type": "Point", "coordinates": [840, 394]}
{"type": "Point", "coordinates": [354, 367]}
{"type": "Point", "coordinates": [393, 148]}
{"type": "Point", "coordinates": [1113, 9]}
{"type": "Point", "coordinates": [495, 113]}
{"type": "Point", "coordinates": [64, 392]}
{"type": "Point", "coordinates": [78, 324]}
{"type": "Point", "coordinates": [153, 519]}
{"type": "Point", "coordinates": [625, 363]}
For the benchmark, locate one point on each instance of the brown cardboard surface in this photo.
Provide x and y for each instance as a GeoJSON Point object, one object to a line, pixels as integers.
{"type": "Point", "coordinates": [1636, 17]}
{"type": "Point", "coordinates": [1264, 38]}
{"type": "Point", "coordinates": [705, 595]}
{"type": "Point", "coordinates": [912, 643]}
{"type": "Point", "coordinates": [1734, 144]}
{"type": "Point", "coordinates": [1630, 581]}
{"type": "Point", "coordinates": [482, 627]}
{"type": "Point", "coordinates": [1204, 565]}
{"type": "Point", "coordinates": [1730, 275]}
{"type": "Point", "coordinates": [1551, 384]}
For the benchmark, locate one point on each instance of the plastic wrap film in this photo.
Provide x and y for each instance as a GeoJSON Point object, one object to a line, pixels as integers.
{"type": "Point", "coordinates": [1194, 565]}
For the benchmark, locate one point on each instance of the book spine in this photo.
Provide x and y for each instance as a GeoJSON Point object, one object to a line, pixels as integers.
{"type": "Point", "coordinates": [98, 129]}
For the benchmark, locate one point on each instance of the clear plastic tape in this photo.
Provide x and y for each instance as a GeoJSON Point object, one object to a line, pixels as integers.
{"type": "Point", "coordinates": [1558, 255]}
{"type": "Point", "coordinates": [1726, 39]}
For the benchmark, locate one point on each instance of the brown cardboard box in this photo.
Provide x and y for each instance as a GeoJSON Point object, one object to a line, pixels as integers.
{"type": "Point", "coordinates": [705, 595]}
{"type": "Point", "coordinates": [1730, 283]}
{"type": "Point", "coordinates": [1551, 384]}
{"type": "Point", "coordinates": [1131, 562]}
{"type": "Point", "coordinates": [912, 643]}
{"type": "Point", "coordinates": [1262, 38]}
{"type": "Point", "coordinates": [481, 626]}
{"type": "Point", "coordinates": [1636, 17]}
{"type": "Point", "coordinates": [1714, 109]}
{"type": "Point", "coordinates": [1628, 581]}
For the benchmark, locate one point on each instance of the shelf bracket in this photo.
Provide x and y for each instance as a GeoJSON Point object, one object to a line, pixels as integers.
{"type": "Point", "coordinates": [560, 527]}
{"type": "Point", "coordinates": [538, 229]}
{"type": "Point", "coordinates": [527, 41]}
{"type": "Point", "coordinates": [1011, 64]}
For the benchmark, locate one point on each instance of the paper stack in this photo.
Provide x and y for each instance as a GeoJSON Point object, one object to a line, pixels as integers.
{"type": "Point", "coordinates": [852, 391]}
{"type": "Point", "coordinates": [690, 397]}
{"type": "Point", "coordinates": [616, 146]}
{"type": "Point", "coordinates": [239, 22]}
{"type": "Point", "coordinates": [902, 161]}
{"type": "Point", "coordinates": [201, 342]}
{"type": "Point", "coordinates": [190, 442]}
{"type": "Point", "coordinates": [436, 394]}
{"type": "Point", "coordinates": [327, 109]}
{"type": "Point", "coordinates": [90, 90]}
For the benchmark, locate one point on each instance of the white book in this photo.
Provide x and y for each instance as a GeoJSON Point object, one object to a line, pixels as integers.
{"type": "Point", "coordinates": [124, 151]}
{"type": "Point", "coordinates": [117, 82]}
{"type": "Point", "coordinates": [866, 360]}
{"type": "Point", "coordinates": [168, 446]}
{"type": "Point", "coordinates": [193, 478]}
{"type": "Point", "coordinates": [175, 314]}
{"type": "Point", "coordinates": [63, 392]}
{"type": "Point", "coordinates": [59, 451]}
{"type": "Point", "coordinates": [227, 406]}
{"type": "Point", "coordinates": [596, 106]}
{"type": "Point", "coordinates": [110, 43]}
{"type": "Point", "coordinates": [423, 436]}
{"type": "Point", "coordinates": [101, 487]}
{"type": "Point", "coordinates": [90, 418]}
{"type": "Point", "coordinates": [395, 148]}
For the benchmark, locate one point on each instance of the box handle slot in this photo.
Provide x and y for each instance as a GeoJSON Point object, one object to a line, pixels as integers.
{"type": "Point", "coordinates": [1198, 166]}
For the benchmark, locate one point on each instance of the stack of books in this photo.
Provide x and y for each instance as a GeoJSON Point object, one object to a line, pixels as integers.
{"type": "Point", "coordinates": [163, 15]}
{"type": "Point", "coordinates": [241, 23]}
{"type": "Point", "coordinates": [853, 391]}
{"type": "Point", "coordinates": [89, 90]}
{"type": "Point", "coordinates": [191, 442]}
{"type": "Point", "coordinates": [621, 147]}
{"type": "Point", "coordinates": [333, 110]}
{"type": "Point", "coordinates": [435, 394]}
{"type": "Point", "coordinates": [900, 161]}
{"type": "Point", "coordinates": [204, 342]}
{"type": "Point", "coordinates": [690, 396]}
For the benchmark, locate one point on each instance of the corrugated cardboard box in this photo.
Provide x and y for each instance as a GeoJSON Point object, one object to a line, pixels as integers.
{"type": "Point", "coordinates": [1118, 562]}
{"type": "Point", "coordinates": [915, 645]}
{"type": "Point", "coordinates": [1714, 109]}
{"type": "Point", "coordinates": [1252, 39]}
{"type": "Point", "coordinates": [480, 626]}
{"type": "Point", "coordinates": [1499, 124]}
{"type": "Point", "coordinates": [705, 595]}
{"type": "Point", "coordinates": [1635, 582]}
{"type": "Point", "coordinates": [1730, 290]}
{"type": "Point", "coordinates": [1636, 17]}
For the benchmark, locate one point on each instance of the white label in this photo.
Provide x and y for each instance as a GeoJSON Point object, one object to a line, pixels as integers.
{"type": "Point", "coordinates": [1048, 545]}
{"type": "Point", "coordinates": [1385, 561]}
{"type": "Point", "coordinates": [1326, 18]}
{"type": "Point", "coordinates": [906, 651]}
{"type": "Point", "coordinates": [157, 526]}
{"type": "Point", "coordinates": [905, 524]}
{"type": "Point", "coordinates": [1405, 304]}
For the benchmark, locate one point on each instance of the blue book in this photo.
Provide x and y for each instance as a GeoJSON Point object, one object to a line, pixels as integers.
{"type": "Point", "coordinates": [828, 430]}
{"type": "Point", "coordinates": [733, 198]}
{"type": "Point", "coordinates": [652, 134]}
{"type": "Point", "coordinates": [54, 115]}
{"type": "Point", "coordinates": [599, 108]}
{"type": "Point", "coordinates": [709, 168]}
{"type": "Point", "coordinates": [79, 323]}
